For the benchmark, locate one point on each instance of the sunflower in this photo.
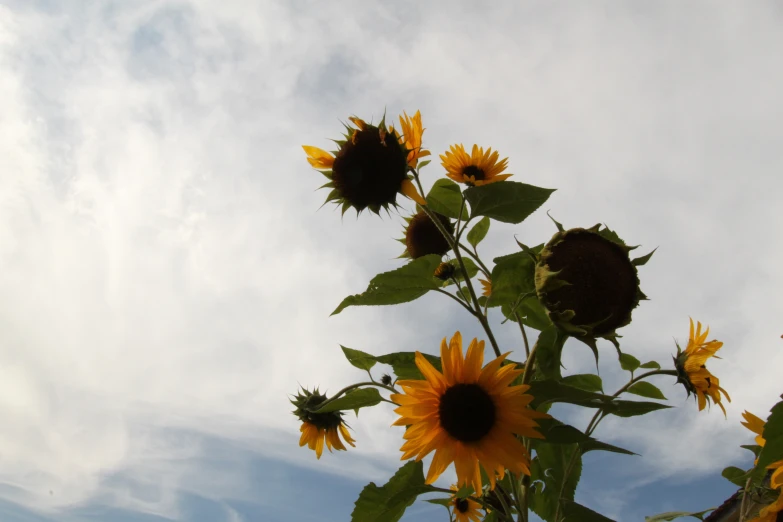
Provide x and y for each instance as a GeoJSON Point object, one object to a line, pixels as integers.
{"type": "Point", "coordinates": [422, 237]}
{"type": "Point", "coordinates": [475, 169]}
{"type": "Point", "coordinates": [445, 271]}
{"type": "Point", "coordinates": [693, 373]}
{"type": "Point", "coordinates": [319, 428]}
{"type": "Point", "coordinates": [587, 282]}
{"type": "Point", "coordinates": [487, 285]}
{"type": "Point", "coordinates": [467, 414]}
{"type": "Point", "coordinates": [411, 138]}
{"type": "Point", "coordinates": [368, 171]}
{"type": "Point", "coordinates": [465, 509]}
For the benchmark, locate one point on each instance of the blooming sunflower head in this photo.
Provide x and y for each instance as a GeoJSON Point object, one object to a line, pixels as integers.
{"type": "Point", "coordinates": [412, 131]}
{"type": "Point", "coordinates": [692, 370]}
{"type": "Point", "coordinates": [319, 428]}
{"type": "Point", "coordinates": [422, 237]}
{"type": "Point", "coordinates": [467, 414]}
{"type": "Point", "coordinates": [474, 169]}
{"type": "Point", "coordinates": [587, 282]}
{"type": "Point", "coordinates": [369, 169]}
{"type": "Point", "coordinates": [465, 509]}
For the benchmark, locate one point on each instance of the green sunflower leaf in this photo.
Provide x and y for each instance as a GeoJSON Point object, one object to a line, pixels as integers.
{"type": "Point", "coordinates": [551, 390]}
{"type": "Point", "coordinates": [773, 448]}
{"type": "Point", "coordinates": [402, 285]}
{"type": "Point", "coordinates": [512, 276]}
{"type": "Point", "coordinates": [555, 432]}
{"type": "Point", "coordinates": [445, 198]}
{"type": "Point", "coordinates": [755, 448]}
{"type": "Point", "coordinates": [550, 348]}
{"type": "Point", "coordinates": [404, 364]}
{"type": "Point", "coordinates": [578, 513]}
{"type": "Point", "coordinates": [639, 261]}
{"type": "Point", "coordinates": [353, 400]}
{"type": "Point", "coordinates": [358, 358]}
{"type": "Point", "coordinates": [530, 310]}
{"type": "Point", "coordinates": [645, 389]}
{"type": "Point", "coordinates": [585, 381]}
{"type": "Point", "coordinates": [673, 515]}
{"type": "Point", "coordinates": [555, 471]}
{"type": "Point", "coordinates": [492, 516]}
{"type": "Point", "coordinates": [478, 232]}
{"type": "Point", "coordinates": [632, 408]}
{"type": "Point", "coordinates": [597, 445]}
{"type": "Point", "coordinates": [440, 501]}
{"type": "Point", "coordinates": [506, 201]}
{"type": "Point", "coordinates": [389, 502]}
{"type": "Point", "coordinates": [652, 365]}
{"type": "Point", "coordinates": [736, 475]}
{"type": "Point", "coordinates": [423, 164]}
{"type": "Point", "coordinates": [628, 362]}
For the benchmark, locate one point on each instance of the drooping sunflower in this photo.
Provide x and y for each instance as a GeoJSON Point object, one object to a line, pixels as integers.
{"type": "Point", "coordinates": [319, 428]}
{"type": "Point", "coordinates": [369, 169]}
{"type": "Point", "coordinates": [692, 371]}
{"type": "Point", "coordinates": [474, 169]}
{"type": "Point", "coordinates": [412, 131]}
{"type": "Point", "coordinates": [422, 237]}
{"type": "Point", "coordinates": [588, 283]}
{"type": "Point", "coordinates": [467, 415]}
{"type": "Point", "coordinates": [465, 509]}
{"type": "Point", "coordinates": [487, 286]}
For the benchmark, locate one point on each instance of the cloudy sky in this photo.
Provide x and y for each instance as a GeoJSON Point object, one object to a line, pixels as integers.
{"type": "Point", "coordinates": [167, 278]}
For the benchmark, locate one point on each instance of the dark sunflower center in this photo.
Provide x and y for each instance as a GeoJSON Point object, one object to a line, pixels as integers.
{"type": "Point", "coordinates": [779, 518]}
{"type": "Point", "coordinates": [467, 412]}
{"type": "Point", "coordinates": [462, 505]}
{"type": "Point", "coordinates": [423, 238]}
{"type": "Point", "coordinates": [472, 170]}
{"type": "Point", "coordinates": [369, 171]}
{"type": "Point", "coordinates": [603, 281]}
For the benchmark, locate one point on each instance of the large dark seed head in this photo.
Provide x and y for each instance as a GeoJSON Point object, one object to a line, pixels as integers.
{"type": "Point", "coordinates": [462, 505]}
{"type": "Point", "coordinates": [422, 237]}
{"type": "Point", "coordinates": [467, 412]}
{"type": "Point", "coordinates": [369, 168]}
{"type": "Point", "coordinates": [603, 284]}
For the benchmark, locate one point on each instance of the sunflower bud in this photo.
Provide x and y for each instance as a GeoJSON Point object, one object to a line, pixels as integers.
{"type": "Point", "coordinates": [445, 271]}
{"type": "Point", "coordinates": [319, 428]}
{"type": "Point", "coordinates": [587, 282]}
{"type": "Point", "coordinates": [386, 379]}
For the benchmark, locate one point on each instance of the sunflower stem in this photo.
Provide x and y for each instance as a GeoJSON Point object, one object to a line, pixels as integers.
{"type": "Point", "coordinates": [466, 307]}
{"type": "Point", "coordinates": [744, 500]}
{"type": "Point", "coordinates": [475, 256]}
{"type": "Point", "coordinates": [354, 386]}
{"type": "Point", "coordinates": [522, 512]}
{"type": "Point", "coordinates": [503, 503]}
{"type": "Point", "coordinates": [454, 244]}
{"type": "Point", "coordinates": [524, 334]}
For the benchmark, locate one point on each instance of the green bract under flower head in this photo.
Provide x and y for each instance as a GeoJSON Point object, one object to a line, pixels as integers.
{"type": "Point", "coordinates": [307, 401]}
{"type": "Point", "coordinates": [369, 169]}
{"type": "Point", "coordinates": [423, 238]}
{"type": "Point", "coordinates": [587, 282]}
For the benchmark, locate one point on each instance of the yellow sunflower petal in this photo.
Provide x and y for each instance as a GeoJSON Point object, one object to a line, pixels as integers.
{"type": "Point", "coordinates": [409, 189]}
{"type": "Point", "coordinates": [318, 158]}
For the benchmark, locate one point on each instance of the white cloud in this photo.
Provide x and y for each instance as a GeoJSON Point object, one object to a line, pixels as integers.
{"type": "Point", "coordinates": [163, 260]}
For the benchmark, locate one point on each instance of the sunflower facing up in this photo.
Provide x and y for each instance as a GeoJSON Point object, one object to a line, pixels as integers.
{"type": "Point", "coordinates": [474, 169]}
{"type": "Point", "coordinates": [467, 414]}
{"type": "Point", "coordinates": [320, 428]}
{"type": "Point", "coordinates": [369, 170]}
{"type": "Point", "coordinates": [465, 509]}
{"type": "Point", "coordinates": [693, 373]}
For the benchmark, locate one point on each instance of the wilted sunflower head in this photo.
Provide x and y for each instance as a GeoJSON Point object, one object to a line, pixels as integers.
{"type": "Point", "coordinates": [587, 282]}
{"type": "Point", "coordinates": [465, 509]}
{"type": "Point", "coordinates": [474, 169]}
{"type": "Point", "coordinates": [368, 170]}
{"type": "Point", "coordinates": [468, 414]}
{"type": "Point", "coordinates": [422, 237]}
{"type": "Point", "coordinates": [319, 428]}
{"type": "Point", "coordinates": [692, 370]}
